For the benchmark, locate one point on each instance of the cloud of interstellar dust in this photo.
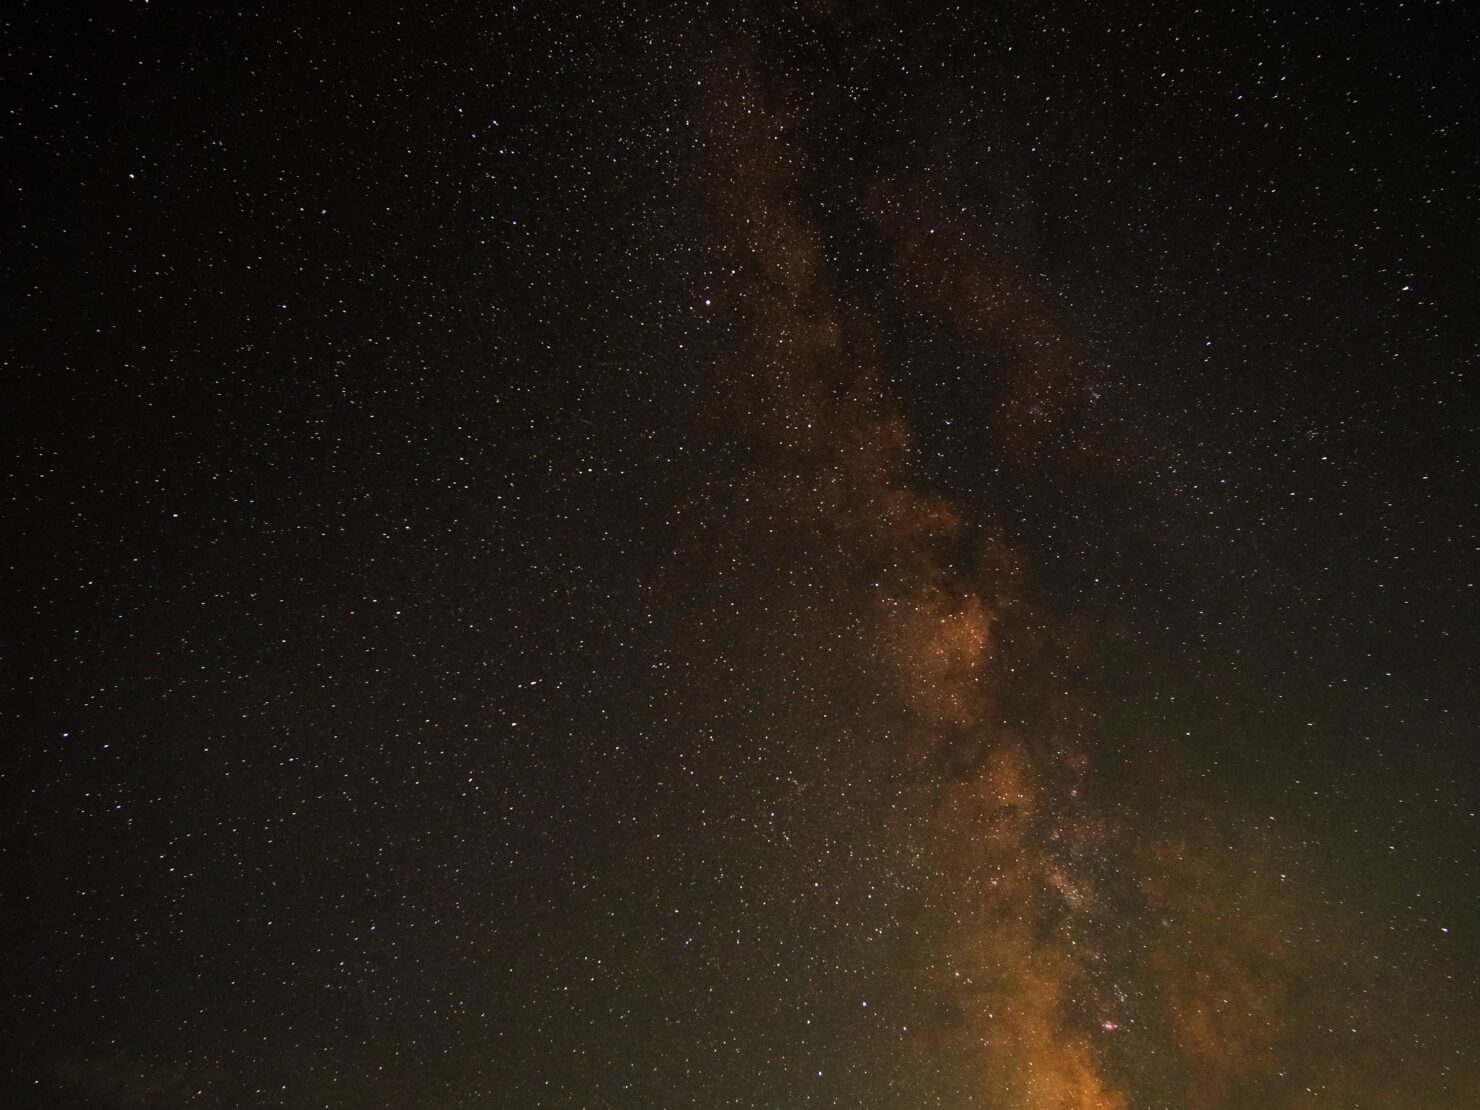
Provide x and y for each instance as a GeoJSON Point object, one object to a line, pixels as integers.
{"type": "Point", "coordinates": [1007, 972]}
{"type": "Point", "coordinates": [1069, 953]}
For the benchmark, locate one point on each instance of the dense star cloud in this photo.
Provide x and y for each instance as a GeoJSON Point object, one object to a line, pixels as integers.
{"type": "Point", "coordinates": [1005, 969]}
{"type": "Point", "coordinates": [802, 556]}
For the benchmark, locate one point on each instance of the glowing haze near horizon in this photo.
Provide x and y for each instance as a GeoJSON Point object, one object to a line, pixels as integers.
{"type": "Point", "coordinates": [806, 556]}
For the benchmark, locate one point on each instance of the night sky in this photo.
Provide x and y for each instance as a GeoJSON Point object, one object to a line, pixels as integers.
{"type": "Point", "coordinates": [777, 555]}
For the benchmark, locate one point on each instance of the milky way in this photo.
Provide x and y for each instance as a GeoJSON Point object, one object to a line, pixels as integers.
{"type": "Point", "coordinates": [799, 557]}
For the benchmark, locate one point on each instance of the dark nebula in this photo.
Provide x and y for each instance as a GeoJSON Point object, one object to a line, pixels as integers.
{"type": "Point", "coordinates": [821, 554]}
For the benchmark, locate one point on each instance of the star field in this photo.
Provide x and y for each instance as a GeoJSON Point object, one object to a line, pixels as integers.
{"type": "Point", "coordinates": [777, 556]}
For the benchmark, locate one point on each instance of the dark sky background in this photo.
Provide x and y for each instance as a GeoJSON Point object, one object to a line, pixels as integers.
{"type": "Point", "coordinates": [840, 555]}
